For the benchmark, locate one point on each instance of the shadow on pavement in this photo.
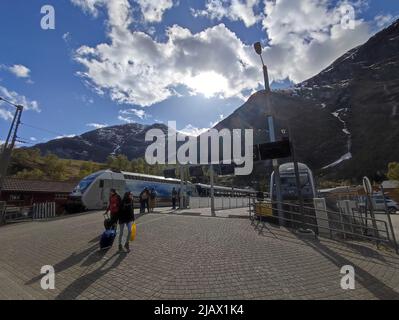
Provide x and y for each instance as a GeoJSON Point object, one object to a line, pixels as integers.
{"type": "Point", "coordinates": [69, 262]}
{"type": "Point", "coordinates": [368, 281]}
{"type": "Point", "coordinates": [84, 282]}
{"type": "Point", "coordinates": [364, 252]}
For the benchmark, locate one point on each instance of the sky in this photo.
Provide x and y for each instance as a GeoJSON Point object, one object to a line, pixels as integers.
{"type": "Point", "coordinates": [111, 62]}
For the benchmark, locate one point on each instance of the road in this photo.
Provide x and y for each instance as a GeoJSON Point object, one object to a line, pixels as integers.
{"type": "Point", "coordinates": [188, 256]}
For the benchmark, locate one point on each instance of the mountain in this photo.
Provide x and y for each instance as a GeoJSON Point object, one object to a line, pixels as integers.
{"type": "Point", "coordinates": [344, 121]}
{"type": "Point", "coordinates": [97, 145]}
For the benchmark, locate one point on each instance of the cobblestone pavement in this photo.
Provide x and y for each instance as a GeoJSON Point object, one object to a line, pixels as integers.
{"type": "Point", "coordinates": [187, 256]}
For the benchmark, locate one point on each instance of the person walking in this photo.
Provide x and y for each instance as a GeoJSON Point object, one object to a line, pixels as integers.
{"type": "Point", "coordinates": [142, 202]}
{"type": "Point", "coordinates": [174, 198]}
{"type": "Point", "coordinates": [126, 219]}
{"type": "Point", "coordinates": [113, 206]}
{"type": "Point", "coordinates": [153, 199]}
{"type": "Point", "coordinates": [145, 200]}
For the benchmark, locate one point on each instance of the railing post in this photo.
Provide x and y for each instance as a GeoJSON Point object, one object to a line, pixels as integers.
{"type": "Point", "coordinates": [390, 221]}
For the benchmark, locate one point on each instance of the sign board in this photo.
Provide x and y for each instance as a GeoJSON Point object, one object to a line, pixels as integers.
{"type": "Point", "coordinates": [273, 150]}
{"type": "Point", "coordinates": [170, 173]}
{"type": "Point", "coordinates": [323, 223]}
{"type": "Point", "coordinates": [225, 169]}
{"type": "Point", "coordinates": [196, 171]}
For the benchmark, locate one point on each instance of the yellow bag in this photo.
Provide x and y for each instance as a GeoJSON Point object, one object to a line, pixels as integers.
{"type": "Point", "coordinates": [134, 232]}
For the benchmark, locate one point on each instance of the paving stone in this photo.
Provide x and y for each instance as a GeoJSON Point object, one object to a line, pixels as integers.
{"type": "Point", "coordinates": [177, 256]}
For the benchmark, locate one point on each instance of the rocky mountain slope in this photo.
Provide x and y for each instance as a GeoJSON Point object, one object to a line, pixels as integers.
{"type": "Point", "coordinates": [345, 120]}
{"type": "Point", "coordinates": [97, 145]}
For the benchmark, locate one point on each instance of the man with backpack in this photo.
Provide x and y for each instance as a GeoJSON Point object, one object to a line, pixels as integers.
{"type": "Point", "coordinates": [145, 200]}
{"type": "Point", "coordinates": [114, 206]}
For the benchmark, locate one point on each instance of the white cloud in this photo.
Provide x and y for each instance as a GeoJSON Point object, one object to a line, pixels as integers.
{"type": "Point", "coordinates": [88, 6]}
{"type": "Point", "coordinates": [127, 115]}
{"type": "Point", "coordinates": [133, 68]}
{"type": "Point", "coordinates": [136, 69]}
{"type": "Point", "coordinates": [33, 139]}
{"type": "Point", "coordinates": [6, 114]}
{"type": "Point", "coordinates": [97, 125]}
{"type": "Point", "coordinates": [17, 99]}
{"type": "Point", "coordinates": [153, 10]}
{"type": "Point", "coordinates": [306, 36]}
{"type": "Point", "coordinates": [66, 37]}
{"type": "Point", "coordinates": [384, 20]}
{"type": "Point", "coordinates": [234, 10]}
{"type": "Point", "coordinates": [20, 71]}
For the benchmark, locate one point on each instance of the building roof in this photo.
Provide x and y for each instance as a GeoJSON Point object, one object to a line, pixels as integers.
{"type": "Point", "coordinates": [391, 184]}
{"type": "Point", "coordinates": [22, 185]}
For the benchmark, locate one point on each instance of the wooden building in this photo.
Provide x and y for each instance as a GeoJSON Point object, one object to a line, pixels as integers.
{"type": "Point", "coordinates": [22, 192]}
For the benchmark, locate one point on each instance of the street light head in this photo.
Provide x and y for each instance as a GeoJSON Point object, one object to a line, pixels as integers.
{"type": "Point", "coordinates": [258, 48]}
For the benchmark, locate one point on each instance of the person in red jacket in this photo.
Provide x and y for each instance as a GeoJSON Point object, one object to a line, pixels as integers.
{"type": "Point", "coordinates": [114, 205]}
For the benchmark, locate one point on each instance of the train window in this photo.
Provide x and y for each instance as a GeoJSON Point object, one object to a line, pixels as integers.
{"type": "Point", "coordinates": [101, 184]}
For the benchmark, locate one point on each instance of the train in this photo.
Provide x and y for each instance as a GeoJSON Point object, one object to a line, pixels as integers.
{"type": "Point", "coordinates": [92, 192]}
{"type": "Point", "coordinates": [289, 191]}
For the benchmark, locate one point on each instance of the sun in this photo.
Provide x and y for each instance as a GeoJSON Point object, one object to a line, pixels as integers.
{"type": "Point", "coordinates": [208, 83]}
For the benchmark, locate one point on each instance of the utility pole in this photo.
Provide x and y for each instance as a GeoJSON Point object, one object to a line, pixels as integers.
{"type": "Point", "coordinates": [181, 193]}
{"type": "Point", "coordinates": [10, 142]}
{"type": "Point", "coordinates": [272, 136]}
{"type": "Point", "coordinates": [212, 173]}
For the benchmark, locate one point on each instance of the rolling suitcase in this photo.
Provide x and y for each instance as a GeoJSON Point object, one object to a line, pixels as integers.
{"type": "Point", "coordinates": [109, 235]}
{"type": "Point", "coordinates": [107, 238]}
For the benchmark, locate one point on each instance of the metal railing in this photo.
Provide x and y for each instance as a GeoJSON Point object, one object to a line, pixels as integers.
{"type": "Point", "coordinates": [221, 203]}
{"type": "Point", "coordinates": [38, 211]}
{"type": "Point", "coordinates": [335, 224]}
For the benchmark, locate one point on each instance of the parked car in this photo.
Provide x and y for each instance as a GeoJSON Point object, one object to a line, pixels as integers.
{"type": "Point", "coordinates": [379, 203]}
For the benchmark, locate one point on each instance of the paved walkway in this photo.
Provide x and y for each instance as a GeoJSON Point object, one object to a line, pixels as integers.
{"type": "Point", "coordinates": [187, 256]}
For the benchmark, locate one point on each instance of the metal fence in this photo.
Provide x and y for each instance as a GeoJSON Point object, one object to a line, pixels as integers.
{"type": "Point", "coordinates": [14, 213]}
{"type": "Point", "coordinates": [349, 223]}
{"type": "Point", "coordinates": [221, 203]}
{"type": "Point", "coordinates": [39, 211]}
{"type": "Point", "coordinates": [44, 210]}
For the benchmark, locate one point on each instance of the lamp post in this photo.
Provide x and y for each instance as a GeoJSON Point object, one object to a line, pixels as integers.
{"type": "Point", "coordinates": [272, 134]}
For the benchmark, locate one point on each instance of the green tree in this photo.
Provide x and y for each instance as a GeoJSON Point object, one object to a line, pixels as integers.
{"type": "Point", "coordinates": [35, 174]}
{"type": "Point", "coordinates": [54, 168]}
{"type": "Point", "coordinates": [393, 171]}
{"type": "Point", "coordinates": [120, 162]}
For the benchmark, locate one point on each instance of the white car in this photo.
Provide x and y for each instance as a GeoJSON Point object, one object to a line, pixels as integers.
{"type": "Point", "coordinates": [379, 204]}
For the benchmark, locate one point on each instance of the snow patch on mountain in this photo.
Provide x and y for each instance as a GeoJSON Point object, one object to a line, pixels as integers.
{"type": "Point", "coordinates": [345, 157]}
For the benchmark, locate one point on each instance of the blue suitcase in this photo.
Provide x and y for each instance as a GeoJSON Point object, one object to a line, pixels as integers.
{"type": "Point", "coordinates": [107, 239]}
